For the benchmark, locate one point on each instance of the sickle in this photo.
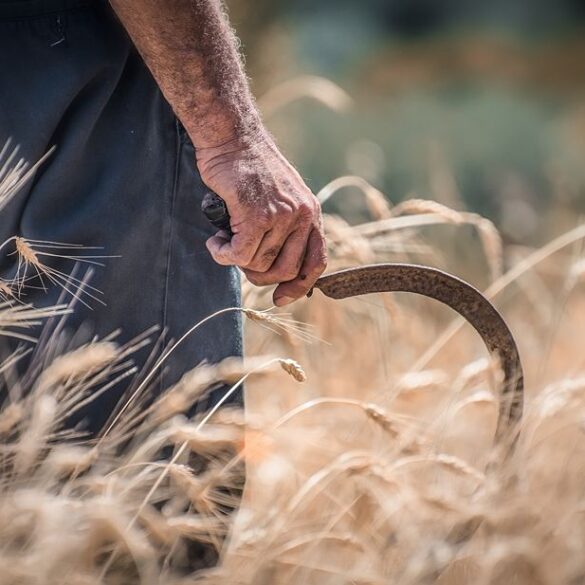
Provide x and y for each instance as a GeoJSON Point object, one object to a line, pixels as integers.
{"type": "Point", "coordinates": [435, 284]}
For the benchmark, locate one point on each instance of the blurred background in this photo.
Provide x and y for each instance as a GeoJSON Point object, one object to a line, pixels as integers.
{"type": "Point", "coordinates": [478, 105]}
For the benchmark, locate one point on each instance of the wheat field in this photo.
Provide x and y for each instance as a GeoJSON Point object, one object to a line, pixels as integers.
{"type": "Point", "coordinates": [367, 440]}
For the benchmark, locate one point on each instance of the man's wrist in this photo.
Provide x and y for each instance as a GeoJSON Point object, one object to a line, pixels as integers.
{"type": "Point", "coordinates": [220, 126]}
{"type": "Point", "coordinates": [236, 139]}
{"type": "Point", "coordinates": [212, 141]}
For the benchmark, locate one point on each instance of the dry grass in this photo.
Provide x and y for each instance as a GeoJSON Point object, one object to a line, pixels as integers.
{"type": "Point", "coordinates": [378, 469]}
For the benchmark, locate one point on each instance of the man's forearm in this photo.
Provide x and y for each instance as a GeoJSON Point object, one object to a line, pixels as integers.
{"type": "Point", "coordinates": [193, 55]}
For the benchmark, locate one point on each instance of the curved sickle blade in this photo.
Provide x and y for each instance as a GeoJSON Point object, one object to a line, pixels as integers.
{"type": "Point", "coordinates": [460, 296]}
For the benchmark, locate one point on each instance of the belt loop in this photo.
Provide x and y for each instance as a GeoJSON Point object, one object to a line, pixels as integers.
{"type": "Point", "coordinates": [61, 26]}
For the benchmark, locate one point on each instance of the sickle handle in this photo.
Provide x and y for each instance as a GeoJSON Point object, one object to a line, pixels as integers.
{"type": "Point", "coordinates": [460, 296]}
{"type": "Point", "coordinates": [215, 210]}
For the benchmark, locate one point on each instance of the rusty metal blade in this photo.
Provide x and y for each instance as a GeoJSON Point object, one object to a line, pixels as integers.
{"type": "Point", "coordinates": [460, 296]}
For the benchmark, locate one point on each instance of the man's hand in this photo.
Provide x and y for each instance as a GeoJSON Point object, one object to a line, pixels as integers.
{"type": "Point", "coordinates": [276, 220]}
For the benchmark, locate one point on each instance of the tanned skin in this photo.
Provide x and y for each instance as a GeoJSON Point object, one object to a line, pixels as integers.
{"type": "Point", "coordinates": [193, 55]}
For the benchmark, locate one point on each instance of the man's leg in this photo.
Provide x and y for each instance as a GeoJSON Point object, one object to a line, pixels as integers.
{"type": "Point", "coordinates": [122, 177]}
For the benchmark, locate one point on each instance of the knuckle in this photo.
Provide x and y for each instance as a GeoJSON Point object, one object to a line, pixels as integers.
{"type": "Point", "coordinates": [269, 255]}
{"type": "Point", "coordinates": [285, 210]}
{"type": "Point", "coordinates": [306, 209]}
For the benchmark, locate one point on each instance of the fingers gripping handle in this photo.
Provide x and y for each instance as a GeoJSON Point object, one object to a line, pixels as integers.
{"type": "Point", "coordinates": [215, 210]}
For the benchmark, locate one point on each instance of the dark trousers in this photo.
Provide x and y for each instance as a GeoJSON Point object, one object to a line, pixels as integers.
{"type": "Point", "coordinates": [122, 177]}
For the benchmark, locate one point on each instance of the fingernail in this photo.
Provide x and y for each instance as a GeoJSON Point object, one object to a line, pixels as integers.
{"type": "Point", "coordinates": [282, 301]}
